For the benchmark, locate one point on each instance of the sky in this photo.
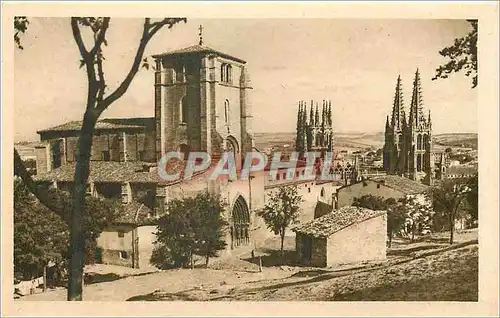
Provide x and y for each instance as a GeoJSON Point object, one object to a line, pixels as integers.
{"type": "Point", "coordinates": [352, 62]}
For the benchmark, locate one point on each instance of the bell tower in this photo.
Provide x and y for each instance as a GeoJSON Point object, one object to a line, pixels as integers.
{"type": "Point", "coordinates": [202, 102]}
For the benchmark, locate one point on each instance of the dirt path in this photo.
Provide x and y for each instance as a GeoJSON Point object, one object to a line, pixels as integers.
{"type": "Point", "coordinates": [173, 280]}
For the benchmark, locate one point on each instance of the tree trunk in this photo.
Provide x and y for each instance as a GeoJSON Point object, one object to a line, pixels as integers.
{"type": "Point", "coordinates": [84, 146]}
{"type": "Point", "coordinates": [390, 239]}
{"type": "Point", "coordinates": [282, 251]}
{"type": "Point", "coordinates": [452, 229]}
{"type": "Point", "coordinates": [44, 278]}
{"type": "Point", "coordinates": [207, 259]}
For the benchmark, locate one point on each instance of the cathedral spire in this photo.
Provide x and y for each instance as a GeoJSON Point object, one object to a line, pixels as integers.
{"type": "Point", "coordinates": [311, 117]}
{"type": "Point", "coordinates": [429, 119]}
{"type": "Point", "coordinates": [299, 130]}
{"type": "Point", "coordinates": [330, 121]}
{"type": "Point", "coordinates": [398, 115]}
{"type": "Point", "coordinates": [316, 117]}
{"type": "Point", "coordinates": [416, 107]}
{"type": "Point", "coordinates": [323, 114]}
{"type": "Point", "coordinates": [387, 125]}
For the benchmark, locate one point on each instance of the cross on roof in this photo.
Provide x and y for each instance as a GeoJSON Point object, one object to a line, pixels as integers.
{"type": "Point", "coordinates": [201, 34]}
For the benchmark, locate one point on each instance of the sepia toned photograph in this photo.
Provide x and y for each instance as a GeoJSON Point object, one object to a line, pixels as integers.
{"type": "Point", "coordinates": [245, 159]}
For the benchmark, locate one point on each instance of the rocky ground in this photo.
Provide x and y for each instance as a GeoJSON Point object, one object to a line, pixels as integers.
{"type": "Point", "coordinates": [423, 271]}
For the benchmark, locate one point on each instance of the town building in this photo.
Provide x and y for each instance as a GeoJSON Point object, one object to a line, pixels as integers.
{"type": "Point", "coordinates": [346, 235]}
{"type": "Point", "coordinates": [408, 142]}
{"type": "Point", "coordinates": [385, 186]}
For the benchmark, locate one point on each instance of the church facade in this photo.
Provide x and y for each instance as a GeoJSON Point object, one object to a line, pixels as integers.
{"type": "Point", "coordinates": [408, 140]}
{"type": "Point", "coordinates": [314, 132]}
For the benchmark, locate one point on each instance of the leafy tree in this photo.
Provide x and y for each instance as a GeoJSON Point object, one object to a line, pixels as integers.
{"type": "Point", "coordinates": [462, 55]}
{"type": "Point", "coordinates": [472, 197]}
{"type": "Point", "coordinates": [191, 226]}
{"type": "Point", "coordinates": [449, 198]}
{"type": "Point", "coordinates": [41, 236]}
{"type": "Point", "coordinates": [98, 100]}
{"type": "Point", "coordinates": [395, 212]}
{"type": "Point", "coordinates": [281, 211]}
{"type": "Point", "coordinates": [418, 215]}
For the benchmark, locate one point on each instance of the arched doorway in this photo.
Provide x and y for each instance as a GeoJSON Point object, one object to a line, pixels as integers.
{"type": "Point", "coordinates": [240, 223]}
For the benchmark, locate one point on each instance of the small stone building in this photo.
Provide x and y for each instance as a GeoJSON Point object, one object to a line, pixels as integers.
{"type": "Point", "coordinates": [386, 186]}
{"type": "Point", "coordinates": [347, 235]}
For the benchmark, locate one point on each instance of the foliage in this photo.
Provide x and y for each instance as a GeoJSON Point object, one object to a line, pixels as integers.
{"type": "Point", "coordinates": [418, 216]}
{"type": "Point", "coordinates": [462, 158]}
{"type": "Point", "coordinates": [472, 197]}
{"type": "Point", "coordinates": [42, 236]}
{"type": "Point", "coordinates": [462, 55]}
{"type": "Point", "coordinates": [191, 226]}
{"type": "Point", "coordinates": [20, 26]}
{"type": "Point", "coordinates": [281, 210]}
{"type": "Point", "coordinates": [450, 199]}
{"type": "Point", "coordinates": [395, 212]}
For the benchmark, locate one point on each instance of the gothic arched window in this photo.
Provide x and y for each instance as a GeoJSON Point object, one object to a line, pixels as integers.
{"type": "Point", "coordinates": [226, 111]}
{"type": "Point", "coordinates": [425, 141]}
{"type": "Point", "coordinates": [419, 142]}
{"type": "Point", "coordinates": [419, 162]}
{"type": "Point", "coordinates": [184, 110]}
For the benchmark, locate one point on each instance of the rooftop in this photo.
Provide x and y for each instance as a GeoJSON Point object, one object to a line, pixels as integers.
{"type": "Point", "coordinates": [103, 171]}
{"type": "Point", "coordinates": [462, 170]}
{"type": "Point", "coordinates": [140, 123]}
{"type": "Point", "coordinates": [198, 49]}
{"type": "Point", "coordinates": [405, 185]}
{"type": "Point", "coordinates": [134, 213]}
{"type": "Point", "coordinates": [336, 221]}
{"type": "Point", "coordinates": [120, 172]}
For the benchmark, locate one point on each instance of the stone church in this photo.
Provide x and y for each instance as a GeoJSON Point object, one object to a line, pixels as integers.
{"type": "Point", "coordinates": [201, 104]}
{"type": "Point", "coordinates": [408, 141]}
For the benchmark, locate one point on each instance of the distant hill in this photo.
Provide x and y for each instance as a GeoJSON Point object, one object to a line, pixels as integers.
{"type": "Point", "coordinates": [463, 140]}
{"type": "Point", "coordinates": [359, 141]}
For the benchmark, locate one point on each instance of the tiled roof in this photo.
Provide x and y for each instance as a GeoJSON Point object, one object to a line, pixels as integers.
{"type": "Point", "coordinates": [119, 172]}
{"type": "Point", "coordinates": [461, 170]}
{"type": "Point", "coordinates": [134, 213]}
{"type": "Point", "coordinates": [199, 49]}
{"type": "Point", "coordinates": [405, 185]}
{"type": "Point", "coordinates": [103, 171]}
{"type": "Point", "coordinates": [336, 221]}
{"type": "Point", "coordinates": [142, 123]}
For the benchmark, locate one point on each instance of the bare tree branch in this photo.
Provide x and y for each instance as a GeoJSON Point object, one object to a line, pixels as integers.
{"type": "Point", "coordinates": [77, 35]}
{"type": "Point", "coordinates": [148, 31]}
{"type": "Point", "coordinates": [101, 37]}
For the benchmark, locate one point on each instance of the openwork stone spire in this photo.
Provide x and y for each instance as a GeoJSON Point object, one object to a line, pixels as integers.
{"type": "Point", "coordinates": [398, 113]}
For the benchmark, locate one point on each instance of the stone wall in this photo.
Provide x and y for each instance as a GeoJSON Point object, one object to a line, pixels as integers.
{"type": "Point", "coordinates": [365, 241]}
{"type": "Point", "coordinates": [145, 243]}
{"type": "Point", "coordinates": [115, 242]}
{"type": "Point", "coordinates": [346, 195]}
